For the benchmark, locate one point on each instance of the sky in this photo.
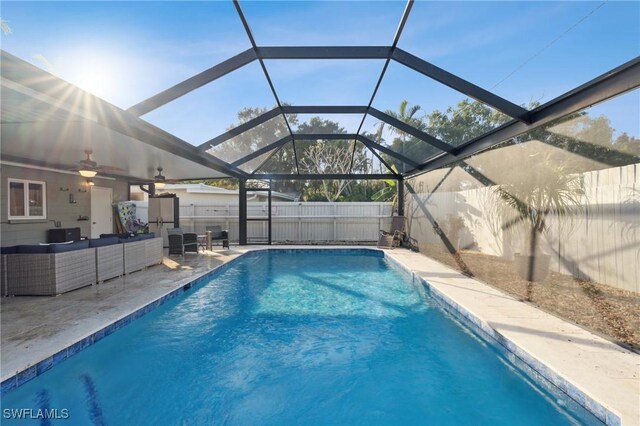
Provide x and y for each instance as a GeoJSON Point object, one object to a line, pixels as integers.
{"type": "Point", "coordinates": [126, 52]}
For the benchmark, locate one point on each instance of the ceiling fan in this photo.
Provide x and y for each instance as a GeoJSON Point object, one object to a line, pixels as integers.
{"type": "Point", "coordinates": [160, 180]}
{"type": "Point", "coordinates": [89, 168]}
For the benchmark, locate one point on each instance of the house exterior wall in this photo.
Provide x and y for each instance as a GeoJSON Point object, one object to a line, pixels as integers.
{"type": "Point", "coordinates": [201, 198]}
{"type": "Point", "coordinates": [57, 201]}
{"type": "Point", "coordinates": [206, 197]}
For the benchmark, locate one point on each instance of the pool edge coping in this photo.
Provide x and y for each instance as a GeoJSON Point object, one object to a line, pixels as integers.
{"type": "Point", "coordinates": [459, 312]}
{"type": "Point", "coordinates": [507, 346]}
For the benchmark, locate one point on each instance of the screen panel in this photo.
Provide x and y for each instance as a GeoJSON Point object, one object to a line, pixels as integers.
{"type": "Point", "coordinates": [398, 141]}
{"type": "Point", "coordinates": [324, 81]}
{"type": "Point", "coordinates": [250, 141]}
{"type": "Point", "coordinates": [435, 108]}
{"type": "Point", "coordinates": [118, 50]}
{"type": "Point", "coordinates": [527, 52]}
{"type": "Point", "coordinates": [319, 23]}
{"type": "Point", "coordinates": [216, 107]}
{"type": "Point", "coordinates": [325, 123]}
{"type": "Point", "coordinates": [282, 162]}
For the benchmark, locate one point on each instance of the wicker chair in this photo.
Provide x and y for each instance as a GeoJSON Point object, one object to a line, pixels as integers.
{"type": "Point", "coordinates": [218, 234]}
{"type": "Point", "coordinates": [182, 242]}
{"type": "Point", "coordinates": [397, 237]}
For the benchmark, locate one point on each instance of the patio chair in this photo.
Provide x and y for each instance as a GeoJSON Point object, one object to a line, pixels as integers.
{"type": "Point", "coordinates": [182, 242]}
{"type": "Point", "coordinates": [397, 236]}
{"type": "Point", "coordinates": [217, 234]}
{"type": "Point", "coordinates": [391, 238]}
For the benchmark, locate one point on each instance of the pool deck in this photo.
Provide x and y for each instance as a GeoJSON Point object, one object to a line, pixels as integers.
{"type": "Point", "coordinates": [34, 328]}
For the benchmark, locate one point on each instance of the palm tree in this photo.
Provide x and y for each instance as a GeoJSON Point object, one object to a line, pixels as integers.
{"type": "Point", "coordinates": [4, 27]}
{"type": "Point", "coordinates": [403, 142]}
{"type": "Point", "coordinates": [548, 188]}
{"type": "Point", "coordinates": [407, 115]}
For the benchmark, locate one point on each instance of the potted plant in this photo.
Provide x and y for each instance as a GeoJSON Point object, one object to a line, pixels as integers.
{"type": "Point", "coordinates": [545, 189]}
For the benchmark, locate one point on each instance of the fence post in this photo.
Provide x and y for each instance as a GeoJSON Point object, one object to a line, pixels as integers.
{"type": "Point", "coordinates": [242, 210]}
{"type": "Point", "coordinates": [299, 222]}
{"type": "Point", "coordinates": [192, 213]}
{"type": "Point", "coordinates": [400, 202]}
{"type": "Point", "coordinates": [335, 224]}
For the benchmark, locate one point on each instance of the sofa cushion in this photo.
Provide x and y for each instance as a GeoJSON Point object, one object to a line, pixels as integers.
{"type": "Point", "coordinates": [122, 235]}
{"type": "Point", "coordinates": [61, 248]}
{"type": "Point", "coordinates": [130, 239]}
{"type": "Point", "coordinates": [32, 249]}
{"type": "Point", "coordinates": [147, 236]}
{"type": "Point", "coordinates": [105, 241]}
{"type": "Point", "coordinates": [9, 250]}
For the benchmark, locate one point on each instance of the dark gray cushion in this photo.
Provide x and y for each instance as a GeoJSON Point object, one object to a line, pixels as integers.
{"type": "Point", "coordinates": [101, 242]}
{"type": "Point", "coordinates": [130, 239]}
{"type": "Point", "coordinates": [33, 249]}
{"type": "Point", "coordinates": [9, 250]}
{"type": "Point", "coordinates": [122, 235]}
{"type": "Point", "coordinates": [61, 248]}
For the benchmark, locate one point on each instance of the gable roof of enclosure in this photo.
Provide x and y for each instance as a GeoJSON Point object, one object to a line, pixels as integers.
{"type": "Point", "coordinates": [236, 153]}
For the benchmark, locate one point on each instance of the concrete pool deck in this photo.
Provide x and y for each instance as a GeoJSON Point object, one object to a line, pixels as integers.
{"type": "Point", "coordinates": [34, 328]}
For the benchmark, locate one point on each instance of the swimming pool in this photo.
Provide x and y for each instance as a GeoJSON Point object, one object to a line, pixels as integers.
{"type": "Point", "coordinates": [284, 337]}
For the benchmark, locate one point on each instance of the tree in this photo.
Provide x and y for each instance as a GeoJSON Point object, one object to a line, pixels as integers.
{"type": "Point", "coordinates": [325, 158]}
{"type": "Point", "coordinates": [405, 144]}
{"type": "Point", "coordinates": [4, 26]}
{"type": "Point", "coordinates": [463, 122]}
{"type": "Point", "coordinates": [628, 145]}
{"type": "Point", "coordinates": [328, 156]}
{"type": "Point", "coordinates": [313, 156]}
{"type": "Point", "coordinates": [253, 139]}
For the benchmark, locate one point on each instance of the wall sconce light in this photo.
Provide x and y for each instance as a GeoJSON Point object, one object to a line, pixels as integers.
{"type": "Point", "coordinates": [159, 180]}
{"type": "Point", "coordinates": [90, 182]}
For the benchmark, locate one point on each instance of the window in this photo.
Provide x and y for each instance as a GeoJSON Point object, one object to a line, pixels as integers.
{"type": "Point", "coordinates": [27, 199]}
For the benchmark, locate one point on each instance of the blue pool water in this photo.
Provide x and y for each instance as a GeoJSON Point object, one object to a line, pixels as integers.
{"type": "Point", "coordinates": [294, 338]}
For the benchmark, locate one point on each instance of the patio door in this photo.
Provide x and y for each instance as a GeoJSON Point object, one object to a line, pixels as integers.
{"type": "Point", "coordinates": [101, 211]}
{"type": "Point", "coordinates": [258, 213]}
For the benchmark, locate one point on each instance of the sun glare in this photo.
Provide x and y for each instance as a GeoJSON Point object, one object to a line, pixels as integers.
{"type": "Point", "coordinates": [96, 74]}
{"type": "Point", "coordinates": [107, 72]}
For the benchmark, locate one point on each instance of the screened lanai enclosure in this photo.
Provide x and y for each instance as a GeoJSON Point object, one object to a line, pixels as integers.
{"type": "Point", "coordinates": [506, 133]}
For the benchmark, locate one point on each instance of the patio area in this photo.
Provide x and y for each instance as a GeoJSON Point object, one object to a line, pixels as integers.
{"type": "Point", "coordinates": [36, 327]}
{"type": "Point", "coordinates": [499, 141]}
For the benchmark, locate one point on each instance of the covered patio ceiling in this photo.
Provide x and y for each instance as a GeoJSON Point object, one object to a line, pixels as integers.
{"type": "Point", "coordinates": [50, 122]}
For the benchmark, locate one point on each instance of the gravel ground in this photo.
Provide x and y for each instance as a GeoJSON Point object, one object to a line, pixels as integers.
{"type": "Point", "coordinates": [607, 311]}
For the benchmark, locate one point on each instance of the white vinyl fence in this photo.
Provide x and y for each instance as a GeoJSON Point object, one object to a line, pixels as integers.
{"type": "Point", "coordinates": [292, 222]}
{"type": "Point", "coordinates": [602, 244]}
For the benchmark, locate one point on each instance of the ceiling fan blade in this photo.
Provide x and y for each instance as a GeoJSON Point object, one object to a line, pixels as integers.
{"type": "Point", "coordinates": [107, 169]}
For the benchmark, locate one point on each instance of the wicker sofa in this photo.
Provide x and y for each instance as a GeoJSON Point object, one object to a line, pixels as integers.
{"type": "Point", "coordinates": [109, 258]}
{"type": "Point", "coordinates": [138, 251]}
{"type": "Point", "coordinates": [57, 268]}
{"type": "Point", "coordinates": [50, 270]}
